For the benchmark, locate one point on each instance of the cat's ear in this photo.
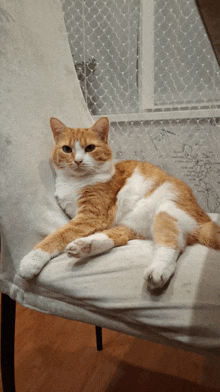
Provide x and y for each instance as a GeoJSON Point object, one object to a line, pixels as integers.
{"type": "Point", "coordinates": [101, 128]}
{"type": "Point", "coordinates": [57, 127]}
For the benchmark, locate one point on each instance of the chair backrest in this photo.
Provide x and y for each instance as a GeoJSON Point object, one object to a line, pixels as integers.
{"type": "Point", "coordinates": [38, 81]}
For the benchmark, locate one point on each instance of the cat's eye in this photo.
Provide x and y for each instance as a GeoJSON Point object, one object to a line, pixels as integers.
{"type": "Point", "coordinates": [67, 149]}
{"type": "Point", "coordinates": [90, 148]}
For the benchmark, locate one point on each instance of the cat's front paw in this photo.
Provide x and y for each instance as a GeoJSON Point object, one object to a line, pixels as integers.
{"type": "Point", "coordinates": [33, 263]}
{"type": "Point", "coordinates": [158, 274]}
{"type": "Point", "coordinates": [92, 245]}
{"type": "Point", "coordinates": [78, 248]}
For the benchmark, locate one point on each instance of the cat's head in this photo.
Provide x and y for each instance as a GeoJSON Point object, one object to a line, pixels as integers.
{"type": "Point", "coordinates": [81, 151]}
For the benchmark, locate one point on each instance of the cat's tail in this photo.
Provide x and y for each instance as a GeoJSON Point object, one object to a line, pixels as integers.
{"type": "Point", "coordinates": [209, 235]}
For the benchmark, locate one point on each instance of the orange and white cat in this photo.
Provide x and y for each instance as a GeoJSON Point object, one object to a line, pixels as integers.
{"type": "Point", "coordinates": [110, 204]}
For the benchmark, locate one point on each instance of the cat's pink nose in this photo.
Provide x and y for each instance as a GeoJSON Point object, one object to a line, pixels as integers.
{"type": "Point", "coordinates": [78, 161]}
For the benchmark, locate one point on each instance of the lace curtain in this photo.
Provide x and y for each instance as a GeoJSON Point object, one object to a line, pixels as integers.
{"type": "Point", "coordinates": [149, 66]}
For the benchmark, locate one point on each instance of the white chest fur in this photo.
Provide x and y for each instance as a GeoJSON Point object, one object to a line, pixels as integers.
{"type": "Point", "coordinates": [66, 194]}
{"type": "Point", "coordinates": [68, 187]}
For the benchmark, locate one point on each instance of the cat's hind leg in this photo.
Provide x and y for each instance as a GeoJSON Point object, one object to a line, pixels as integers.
{"type": "Point", "coordinates": [168, 244]}
{"type": "Point", "coordinates": [100, 242]}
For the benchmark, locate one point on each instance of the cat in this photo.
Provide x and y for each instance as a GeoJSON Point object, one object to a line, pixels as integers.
{"type": "Point", "coordinates": [110, 204]}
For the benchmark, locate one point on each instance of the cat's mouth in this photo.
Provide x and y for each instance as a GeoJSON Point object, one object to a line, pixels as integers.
{"type": "Point", "coordinates": [79, 171]}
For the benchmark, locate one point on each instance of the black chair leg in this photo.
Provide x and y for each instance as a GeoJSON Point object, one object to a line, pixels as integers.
{"type": "Point", "coordinates": [8, 307]}
{"type": "Point", "coordinates": [98, 331]}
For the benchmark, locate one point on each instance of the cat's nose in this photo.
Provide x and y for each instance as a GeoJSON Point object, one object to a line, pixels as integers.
{"type": "Point", "coordinates": [78, 161]}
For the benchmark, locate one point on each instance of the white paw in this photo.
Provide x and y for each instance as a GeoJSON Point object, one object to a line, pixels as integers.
{"type": "Point", "coordinates": [78, 248]}
{"type": "Point", "coordinates": [158, 274]}
{"type": "Point", "coordinates": [33, 263]}
{"type": "Point", "coordinates": [89, 246]}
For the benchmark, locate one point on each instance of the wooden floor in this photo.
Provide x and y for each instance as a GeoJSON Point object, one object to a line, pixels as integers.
{"type": "Point", "coordinates": [58, 355]}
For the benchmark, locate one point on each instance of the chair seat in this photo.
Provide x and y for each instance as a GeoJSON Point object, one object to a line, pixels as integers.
{"type": "Point", "coordinates": [109, 291]}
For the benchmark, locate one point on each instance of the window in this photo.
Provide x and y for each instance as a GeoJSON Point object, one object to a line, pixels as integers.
{"type": "Point", "coordinates": [179, 72]}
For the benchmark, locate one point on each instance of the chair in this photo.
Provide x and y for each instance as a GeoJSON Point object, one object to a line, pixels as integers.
{"type": "Point", "coordinates": [38, 82]}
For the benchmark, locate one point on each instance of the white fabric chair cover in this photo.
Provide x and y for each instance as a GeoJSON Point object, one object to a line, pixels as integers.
{"type": "Point", "coordinates": [38, 82]}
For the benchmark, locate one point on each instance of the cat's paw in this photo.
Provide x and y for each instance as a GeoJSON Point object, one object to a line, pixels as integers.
{"type": "Point", "coordinates": [158, 274]}
{"type": "Point", "coordinates": [33, 263]}
{"type": "Point", "coordinates": [78, 248]}
{"type": "Point", "coordinates": [89, 246]}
